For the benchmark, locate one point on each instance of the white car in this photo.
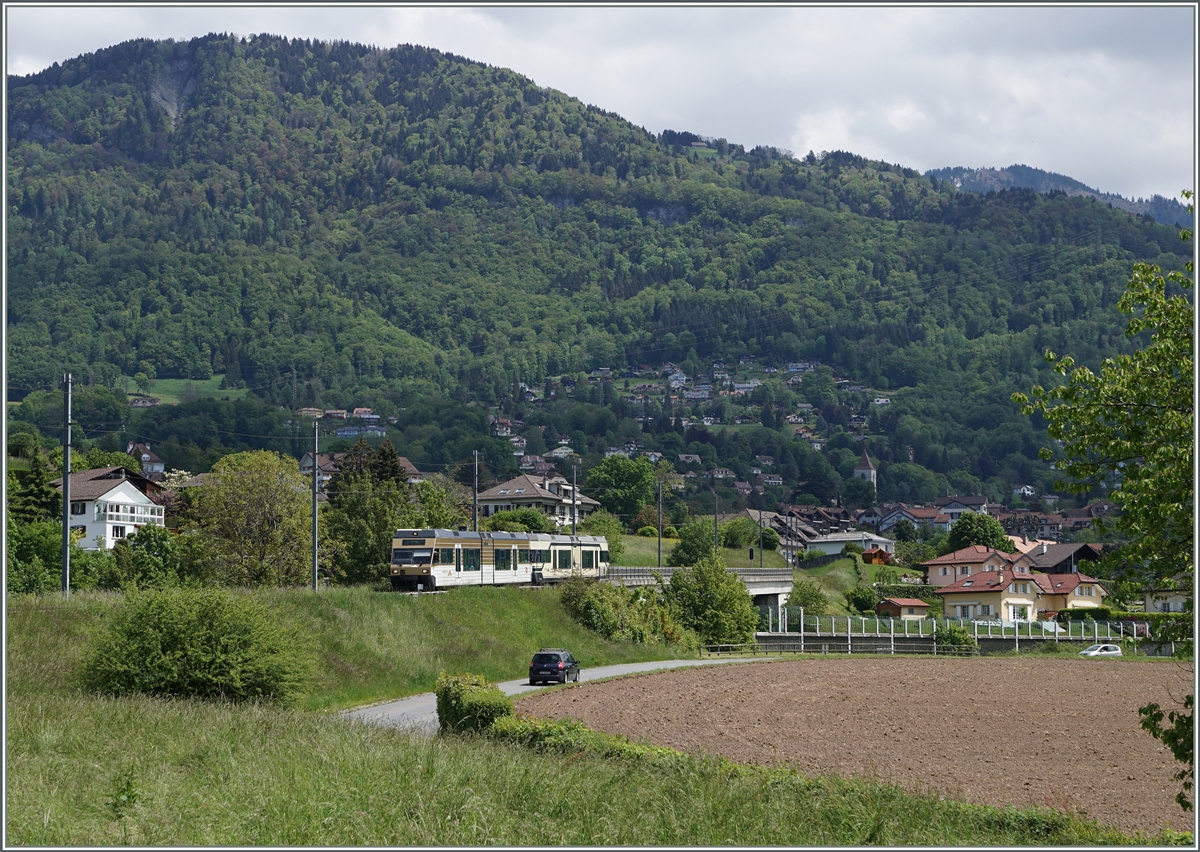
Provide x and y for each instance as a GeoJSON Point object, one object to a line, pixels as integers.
{"type": "Point", "coordinates": [1101, 651]}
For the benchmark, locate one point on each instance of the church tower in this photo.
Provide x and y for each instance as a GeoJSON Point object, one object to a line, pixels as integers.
{"type": "Point", "coordinates": [864, 469]}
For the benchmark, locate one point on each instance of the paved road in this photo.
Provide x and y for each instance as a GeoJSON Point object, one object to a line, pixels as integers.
{"type": "Point", "coordinates": [418, 713]}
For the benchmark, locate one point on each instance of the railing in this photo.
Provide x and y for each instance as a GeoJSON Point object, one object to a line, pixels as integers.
{"type": "Point", "coordinates": [645, 576]}
{"type": "Point", "coordinates": [789, 619]}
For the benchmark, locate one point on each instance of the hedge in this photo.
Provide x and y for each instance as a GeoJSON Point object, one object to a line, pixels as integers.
{"type": "Point", "coordinates": [468, 702]}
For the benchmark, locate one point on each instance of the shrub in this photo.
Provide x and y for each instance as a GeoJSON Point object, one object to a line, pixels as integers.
{"type": "Point", "coordinates": [861, 598]}
{"type": "Point", "coordinates": [647, 532]}
{"type": "Point", "coordinates": [713, 602]}
{"type": "Point", "coordinates": [200, 643]}
{"type": "Point", "coordinates": [621, 614]}
{"type": "Point", "coordinates": [953, 639]}
{"type": "Point", "coordinates": [810, 594]}
{"type": "Point", "coordinates": [670, 532]}
{"type": "Point", "coordinates": [468, 702]}
{"type": "Point", "coordinates": [695, 543]}
{"type": "Point", "coordinates": [851, 548]}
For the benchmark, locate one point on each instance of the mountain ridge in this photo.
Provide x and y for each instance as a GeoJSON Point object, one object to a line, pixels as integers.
{"type": "Point", "coordinates": [1167, 211]}
{"type": "Point", "coordinates": [335, 225]}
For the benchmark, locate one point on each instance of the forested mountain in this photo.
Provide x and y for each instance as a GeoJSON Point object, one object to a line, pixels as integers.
{"type": "Point", "coordinates": [333, 224]}
{"type": "Point", "coordinates": [1169, 211]}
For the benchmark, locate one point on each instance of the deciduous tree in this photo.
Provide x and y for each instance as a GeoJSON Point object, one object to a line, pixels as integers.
{"type": "Point", "coordinates": [255, 515]}
{"type": "Point", "coordinates": [1132, 424]}
{"type": "Point", "coordinates": [975, 528]}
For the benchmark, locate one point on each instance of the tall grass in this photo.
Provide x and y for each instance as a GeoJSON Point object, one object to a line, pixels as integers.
{"type": "Point", "coordinates": [211, 774]}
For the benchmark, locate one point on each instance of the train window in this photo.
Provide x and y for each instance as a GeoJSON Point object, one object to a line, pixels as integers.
{"type": "Point", "coordinates": [445, 556]}
{"type": "Point", "coordinates": [503, 560]}
{"type": "Point", "coordinates": [412, 542]}
{"type": "Point", "coordinates": [523, 556]}
{"type": "Point", "coordinates": [470, 558]}
{"type": "Point", "coordinates": [603, 555]}
{"type": "Point", "coordinates": [589, 559]}
{"type": "Point", "coordinates": [411, 557]}
{"type": "Point", "coordinates": [539, 557]}
{"type": "Point", "coordinates": [564, 560]}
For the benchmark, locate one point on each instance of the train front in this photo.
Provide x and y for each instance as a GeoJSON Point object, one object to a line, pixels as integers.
{"type": "Point", "coordinates": [412, 561]}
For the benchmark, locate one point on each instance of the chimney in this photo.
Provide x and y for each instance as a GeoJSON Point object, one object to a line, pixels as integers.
{"type": "Point", "coordinates": [1043, 547]}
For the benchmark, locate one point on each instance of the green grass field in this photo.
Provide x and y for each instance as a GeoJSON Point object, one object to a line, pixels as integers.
{"type": "Point", "coordinates": [174, 391]}
{"type": "Point", "coordinates": [643, 551]}
{"type": "Point", "coordinates": [89, 771]}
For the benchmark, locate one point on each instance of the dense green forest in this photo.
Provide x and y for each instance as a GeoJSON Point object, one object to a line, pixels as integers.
{"type": "Point", "coordinates": [337, 225]}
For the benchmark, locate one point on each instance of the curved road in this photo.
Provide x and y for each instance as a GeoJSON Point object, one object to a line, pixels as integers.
{"type": "Point", "coordinates": [418, 713]}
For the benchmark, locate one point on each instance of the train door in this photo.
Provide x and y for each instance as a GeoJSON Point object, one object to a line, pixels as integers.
{"type": "Point", "coordinates": [458, 559]}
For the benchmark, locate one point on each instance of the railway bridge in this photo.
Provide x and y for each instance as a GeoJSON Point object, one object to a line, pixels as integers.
{"type": "Point", "coordinates": [768, 586]}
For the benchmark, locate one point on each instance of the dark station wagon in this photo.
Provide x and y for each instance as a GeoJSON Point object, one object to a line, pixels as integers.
{"type": "Point", "coordinates": [553, 664]}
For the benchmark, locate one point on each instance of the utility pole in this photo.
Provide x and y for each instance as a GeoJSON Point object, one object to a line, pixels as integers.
{"type": "Point", "coordinates": [760, 538]}
{"type": "Point", "coordinates": [66, 489]}
{"type": "Point", "coordinates": [475, 500]}
{"type": "Point", "coordinates": [316, 469]}
{"type": "Point", "coordinates": [659, 523]}
{"type": "Point", "coordinates": [716, 527]}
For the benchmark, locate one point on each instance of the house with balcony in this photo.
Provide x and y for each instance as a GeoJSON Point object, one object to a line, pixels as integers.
{"type": "Point", "coordinates": [111, 503]}
{"type": "Point", "coordinates": [553, 496]}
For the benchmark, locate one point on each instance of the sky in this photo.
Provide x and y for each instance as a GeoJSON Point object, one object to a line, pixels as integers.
{"type": "Point", "coordinates": [1104, 94]}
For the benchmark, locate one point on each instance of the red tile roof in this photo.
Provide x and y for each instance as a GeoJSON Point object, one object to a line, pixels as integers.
{"type": "Point", "coordinates": [972, 553]}
{"type": "Point", "coordinates": [905, 601]}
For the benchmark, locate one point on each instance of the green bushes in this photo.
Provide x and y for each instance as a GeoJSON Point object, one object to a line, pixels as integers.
{"type": "Point", "coordinates": [467, 702]}
{"type": "Point", "coordinates": [713, 602]}
{"type": "Point", "coordinates": [621, 614]}
{"type": "Point", "coordinates": [954, 639]}
{"type": "Point", "coordinates": [193, 643]}
{"type": "Point", "coordinates": [861, 598]}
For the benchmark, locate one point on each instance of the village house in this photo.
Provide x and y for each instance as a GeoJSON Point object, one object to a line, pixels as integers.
{"type": "Point", "coordinates": [152, 466]}
{"type": "Point", "coordinates": [550, 495]}
{"type": "Point", "coordinates": [1004, 595]}
{"type": "Point", "coordinates": [1064, 558]}
{"type": "Point", "coordinates": [916, 515]}
{"type": "Point", "coordinates": [970, 561]}
{"type": "Point", "coordinates": [1070, 591]}
{"type": "Point", "coordinates": [903, 608]}
{"type": "Point", "coordinates": [111, 503]}
{"type": "Point", "coordinates": [956, 506]}
{"type": "Point", "coordinates": [1167, 600]}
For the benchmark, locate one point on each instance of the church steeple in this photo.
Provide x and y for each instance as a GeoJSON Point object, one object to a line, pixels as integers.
{"type": "Point", "coordinates": [864, 469]}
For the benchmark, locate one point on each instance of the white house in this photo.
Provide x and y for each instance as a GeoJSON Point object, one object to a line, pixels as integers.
{"type": "Point", "coordinates": [152, 465]}
{"type": "Point", "coordinates": [111, 503]}
{"type": "Point", "coordinates": [833, 542]}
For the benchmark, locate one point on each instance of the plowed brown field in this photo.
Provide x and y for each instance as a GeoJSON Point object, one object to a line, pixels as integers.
{"type": "Point", "coordinates": [1057, 732]}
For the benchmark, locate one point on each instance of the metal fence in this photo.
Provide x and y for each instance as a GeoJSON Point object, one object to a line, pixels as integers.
{"type": "Point", "coordinates": [785, 619]}
{"type": "Point", "coordinates": [641, 576]}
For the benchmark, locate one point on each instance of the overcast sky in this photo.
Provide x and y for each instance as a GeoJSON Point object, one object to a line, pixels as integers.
{"type": "Point", "coordinates": [1104, 95]}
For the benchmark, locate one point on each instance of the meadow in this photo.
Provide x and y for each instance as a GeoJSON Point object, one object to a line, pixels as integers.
{"type": "Point", "coordinates": [89, 770]}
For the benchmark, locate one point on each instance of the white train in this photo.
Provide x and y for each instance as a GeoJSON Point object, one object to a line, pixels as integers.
{"type": "Point", "coordinates": [428, 560]}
